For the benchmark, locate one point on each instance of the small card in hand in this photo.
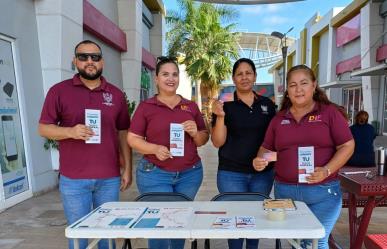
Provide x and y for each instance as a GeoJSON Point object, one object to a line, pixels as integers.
{"type": "Point", "coordinates": [270, 156]}
{"type": "Point", "coordinates": [285, 204]}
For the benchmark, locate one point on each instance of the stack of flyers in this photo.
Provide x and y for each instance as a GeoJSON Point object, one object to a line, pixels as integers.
{"type": "Point", "coordinates": [231, 222]}
{"type": "Point", "coordinates": [245, 221]}
{"type": "Point", "coordinates": [224, 222]}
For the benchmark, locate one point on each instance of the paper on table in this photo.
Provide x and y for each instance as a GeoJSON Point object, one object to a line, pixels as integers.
{"type": "Point", "coordinates": [112, 217]}
{"type": "Point", "coordinates": [245, 221]}
{"type": "Point", "coordinates": [226, 222]}
{"type": "Point", "coordinates": [285, 204]}
{"type": "Point", "coordinates": [229, 222]}
{"type": "Point", "coordinates": [172, 217]}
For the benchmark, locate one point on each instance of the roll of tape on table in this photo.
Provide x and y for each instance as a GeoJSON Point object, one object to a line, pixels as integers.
{"type": "Point", "coordinates": [276, 214]}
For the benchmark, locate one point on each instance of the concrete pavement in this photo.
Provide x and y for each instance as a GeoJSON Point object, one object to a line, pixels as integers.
{"type": "Point", "coordinates": [39, 222]}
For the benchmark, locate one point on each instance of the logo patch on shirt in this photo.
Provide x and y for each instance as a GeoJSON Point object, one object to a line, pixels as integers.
{"type": "Point", "coordinates": [185, 108]}
{"type": "Point", "coordinates": [264, 109]}
{"type": "Point", "coordinates": [314, 118]}
{"type": "Point", "coordinates": [108, 99]}
{"type": "Point", "coordinates": [285, 122]}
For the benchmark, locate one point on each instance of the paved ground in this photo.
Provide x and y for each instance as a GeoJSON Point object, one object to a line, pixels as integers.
{"type": "Point", "coordinates": [39, 221]}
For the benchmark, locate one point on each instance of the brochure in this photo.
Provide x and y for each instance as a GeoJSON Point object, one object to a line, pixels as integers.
{"type": "Point", "coordinates": [229, 222]}
{"type": "Point", "coordinates": [224, 222]}
{"type": "Point", "coordinates": [245, 221]}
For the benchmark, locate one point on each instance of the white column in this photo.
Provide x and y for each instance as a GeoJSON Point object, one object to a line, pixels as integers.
{"type": "Point", "coordinates": [332, 55]}
{"type": "Point", "coordinates": [370, 30]}
{"type": "Point", "coordinates": [157, 34]}
{"type": "Point", "coordinates": [59, 29]}
{"type": "Point", "coordinates": [130, 21]}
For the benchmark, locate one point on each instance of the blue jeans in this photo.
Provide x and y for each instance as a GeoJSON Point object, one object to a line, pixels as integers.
{"type": "Point", "coordinates": [151, 178]}
{"type": "Point", "coordinates": [324, 200]}
{"type": "Point", "coordinates": [81, 196]}
{"type": "Point", "coordinates": [229, 181]}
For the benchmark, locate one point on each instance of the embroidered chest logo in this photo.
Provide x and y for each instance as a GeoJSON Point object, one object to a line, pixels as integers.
{"type": "Point", "coordinates": [264, 109]}
{"type": "Point", "coordinates": [185, 108]}
{"type": "Point", "coordinates": [314, 118]}
{"type": "Point", "coordinates": [108, 99]}
{"type": "Point", "coordinates": [285, 122]}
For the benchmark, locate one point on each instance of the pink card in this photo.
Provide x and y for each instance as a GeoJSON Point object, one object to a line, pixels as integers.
{"type": "Point", "coordinates": [270, 156]}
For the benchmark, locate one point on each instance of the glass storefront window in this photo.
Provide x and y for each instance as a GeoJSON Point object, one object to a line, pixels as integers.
{"type": "Point", "coordinates": [145, 84]}
{"type": "Point", "coordinates": [353, 102]}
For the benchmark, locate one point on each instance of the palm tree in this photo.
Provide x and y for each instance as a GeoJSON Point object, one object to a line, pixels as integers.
{"type": "Point", "coordinates": [197, 32]}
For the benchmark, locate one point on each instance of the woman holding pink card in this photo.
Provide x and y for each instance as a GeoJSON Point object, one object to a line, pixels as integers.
{"type": "Point", "coordinates": [238, 129]}
{"type": "Point", "coordinates": [312, 139]}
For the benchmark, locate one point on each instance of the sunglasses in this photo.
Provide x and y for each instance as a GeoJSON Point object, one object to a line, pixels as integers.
{"type": "Point", "coordinates": [85, 57]}
{"type": "Point", "coordinates": [166, 58]}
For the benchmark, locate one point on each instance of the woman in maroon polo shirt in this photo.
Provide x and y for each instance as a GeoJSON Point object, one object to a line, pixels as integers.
{"type": "Point", "coordinates": [167, 129]}
{"type": "Point", "coordinates": [312, 139]}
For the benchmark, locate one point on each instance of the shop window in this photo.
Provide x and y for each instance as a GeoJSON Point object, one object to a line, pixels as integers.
{"type": "Point", "coordinates": [145, 84]}
{"type": "Point", "coordinates": [353, 102]}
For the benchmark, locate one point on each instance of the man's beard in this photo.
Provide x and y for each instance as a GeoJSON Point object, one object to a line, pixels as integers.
{"type": "Point", "coordinates": [89, 76]}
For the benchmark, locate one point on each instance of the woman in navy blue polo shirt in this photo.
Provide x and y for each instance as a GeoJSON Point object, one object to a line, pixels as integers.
{"type": "Point", "coordinates": [364, 135]}
{"type": "Point", "coordinates": [238, 129]}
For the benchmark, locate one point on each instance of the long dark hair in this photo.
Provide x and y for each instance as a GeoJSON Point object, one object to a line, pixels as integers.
{"type": "Point", "coordinates": [319, 95]}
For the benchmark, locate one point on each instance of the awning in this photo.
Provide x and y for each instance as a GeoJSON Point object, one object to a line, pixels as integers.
{"type": "Point", "coordinates": [340, 83]}
{"type": "Point", "coordinates": [380, 69]}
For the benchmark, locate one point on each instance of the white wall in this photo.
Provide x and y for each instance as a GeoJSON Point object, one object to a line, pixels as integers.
{"type": "Point", "coordinates": [323, 58]}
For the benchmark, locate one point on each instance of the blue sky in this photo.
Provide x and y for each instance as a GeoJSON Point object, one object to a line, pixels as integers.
{"type": "Point", "coordinates": [266, 18]}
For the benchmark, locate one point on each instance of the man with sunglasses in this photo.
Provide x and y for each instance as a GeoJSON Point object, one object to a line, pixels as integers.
{"type": "Point", "coordinates": [89, 118]}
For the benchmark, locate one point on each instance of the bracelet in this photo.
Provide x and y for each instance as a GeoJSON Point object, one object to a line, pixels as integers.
{"type": "Point", "coordinates": [328, 170]}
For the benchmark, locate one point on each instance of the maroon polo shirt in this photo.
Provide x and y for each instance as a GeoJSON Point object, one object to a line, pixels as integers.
{"type": "Point", "coordinates": [152, 120]}
{"type": "Point", "coordinates": [324, 128]}
{"type": "Point", "coordinates": [65, 106]}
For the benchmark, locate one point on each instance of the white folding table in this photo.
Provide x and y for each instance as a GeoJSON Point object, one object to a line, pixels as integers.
{"type": "Point", "coordinates": [298, 224]}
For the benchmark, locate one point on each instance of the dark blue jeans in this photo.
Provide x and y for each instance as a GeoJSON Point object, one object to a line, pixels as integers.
{"type": "Point", "coordinates": [229, 181]}
{"type": "Point", "coordinates": [324, 200]}
{"type": "Point", "coordinates": [151, 178]}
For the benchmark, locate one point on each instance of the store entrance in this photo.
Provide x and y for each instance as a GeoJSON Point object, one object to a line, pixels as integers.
{"type": "Point", "coordinates": [353, 102]}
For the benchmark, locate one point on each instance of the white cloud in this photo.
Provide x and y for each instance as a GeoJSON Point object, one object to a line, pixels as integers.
{"type": "Point", "coordinates": [263, 9]}
{"type": "Point", "coordinates": [275, 20]}
{"type": "Point", "coordinates": [256, 9]}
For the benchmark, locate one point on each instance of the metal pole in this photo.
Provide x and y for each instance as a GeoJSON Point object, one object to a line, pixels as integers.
{"type": "Point", "coordinates": [284, 53]}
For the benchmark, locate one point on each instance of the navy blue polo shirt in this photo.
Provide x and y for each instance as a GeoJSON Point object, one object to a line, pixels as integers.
{"type": "Point", "coordinates": [246, 128]}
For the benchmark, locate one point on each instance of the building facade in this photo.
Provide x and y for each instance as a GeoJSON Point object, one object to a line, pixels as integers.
{"type": "Point", "coordinates": [37, 40]}
{"type": "Point", "coordinates": [347, 50]}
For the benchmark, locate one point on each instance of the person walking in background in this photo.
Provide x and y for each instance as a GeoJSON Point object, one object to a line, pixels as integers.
{"type": "Point", "coordinates": [238, 129]}
{"type": "Point", "coordinates": [89, 158]}
{"type": "Point", "coordinates": [167, 129]}
{"type": "Point", "coordinates": [312, 139]}
{"type": "Point", "coordinates": [364, 135]}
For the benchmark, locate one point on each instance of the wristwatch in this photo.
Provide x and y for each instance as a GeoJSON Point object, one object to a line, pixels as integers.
{"type": "Point", "coordinates": [328, 170]}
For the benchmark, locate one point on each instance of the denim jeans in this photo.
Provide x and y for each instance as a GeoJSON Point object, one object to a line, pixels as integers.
{"type": "Point", "coordinates": [229, 181]}
{"type": "Point", "coordinates": [151, 178]}
{"type": "Point", "coordinates": [324, 200]}
{"type": "Point", "coordinates": [81, 196]}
